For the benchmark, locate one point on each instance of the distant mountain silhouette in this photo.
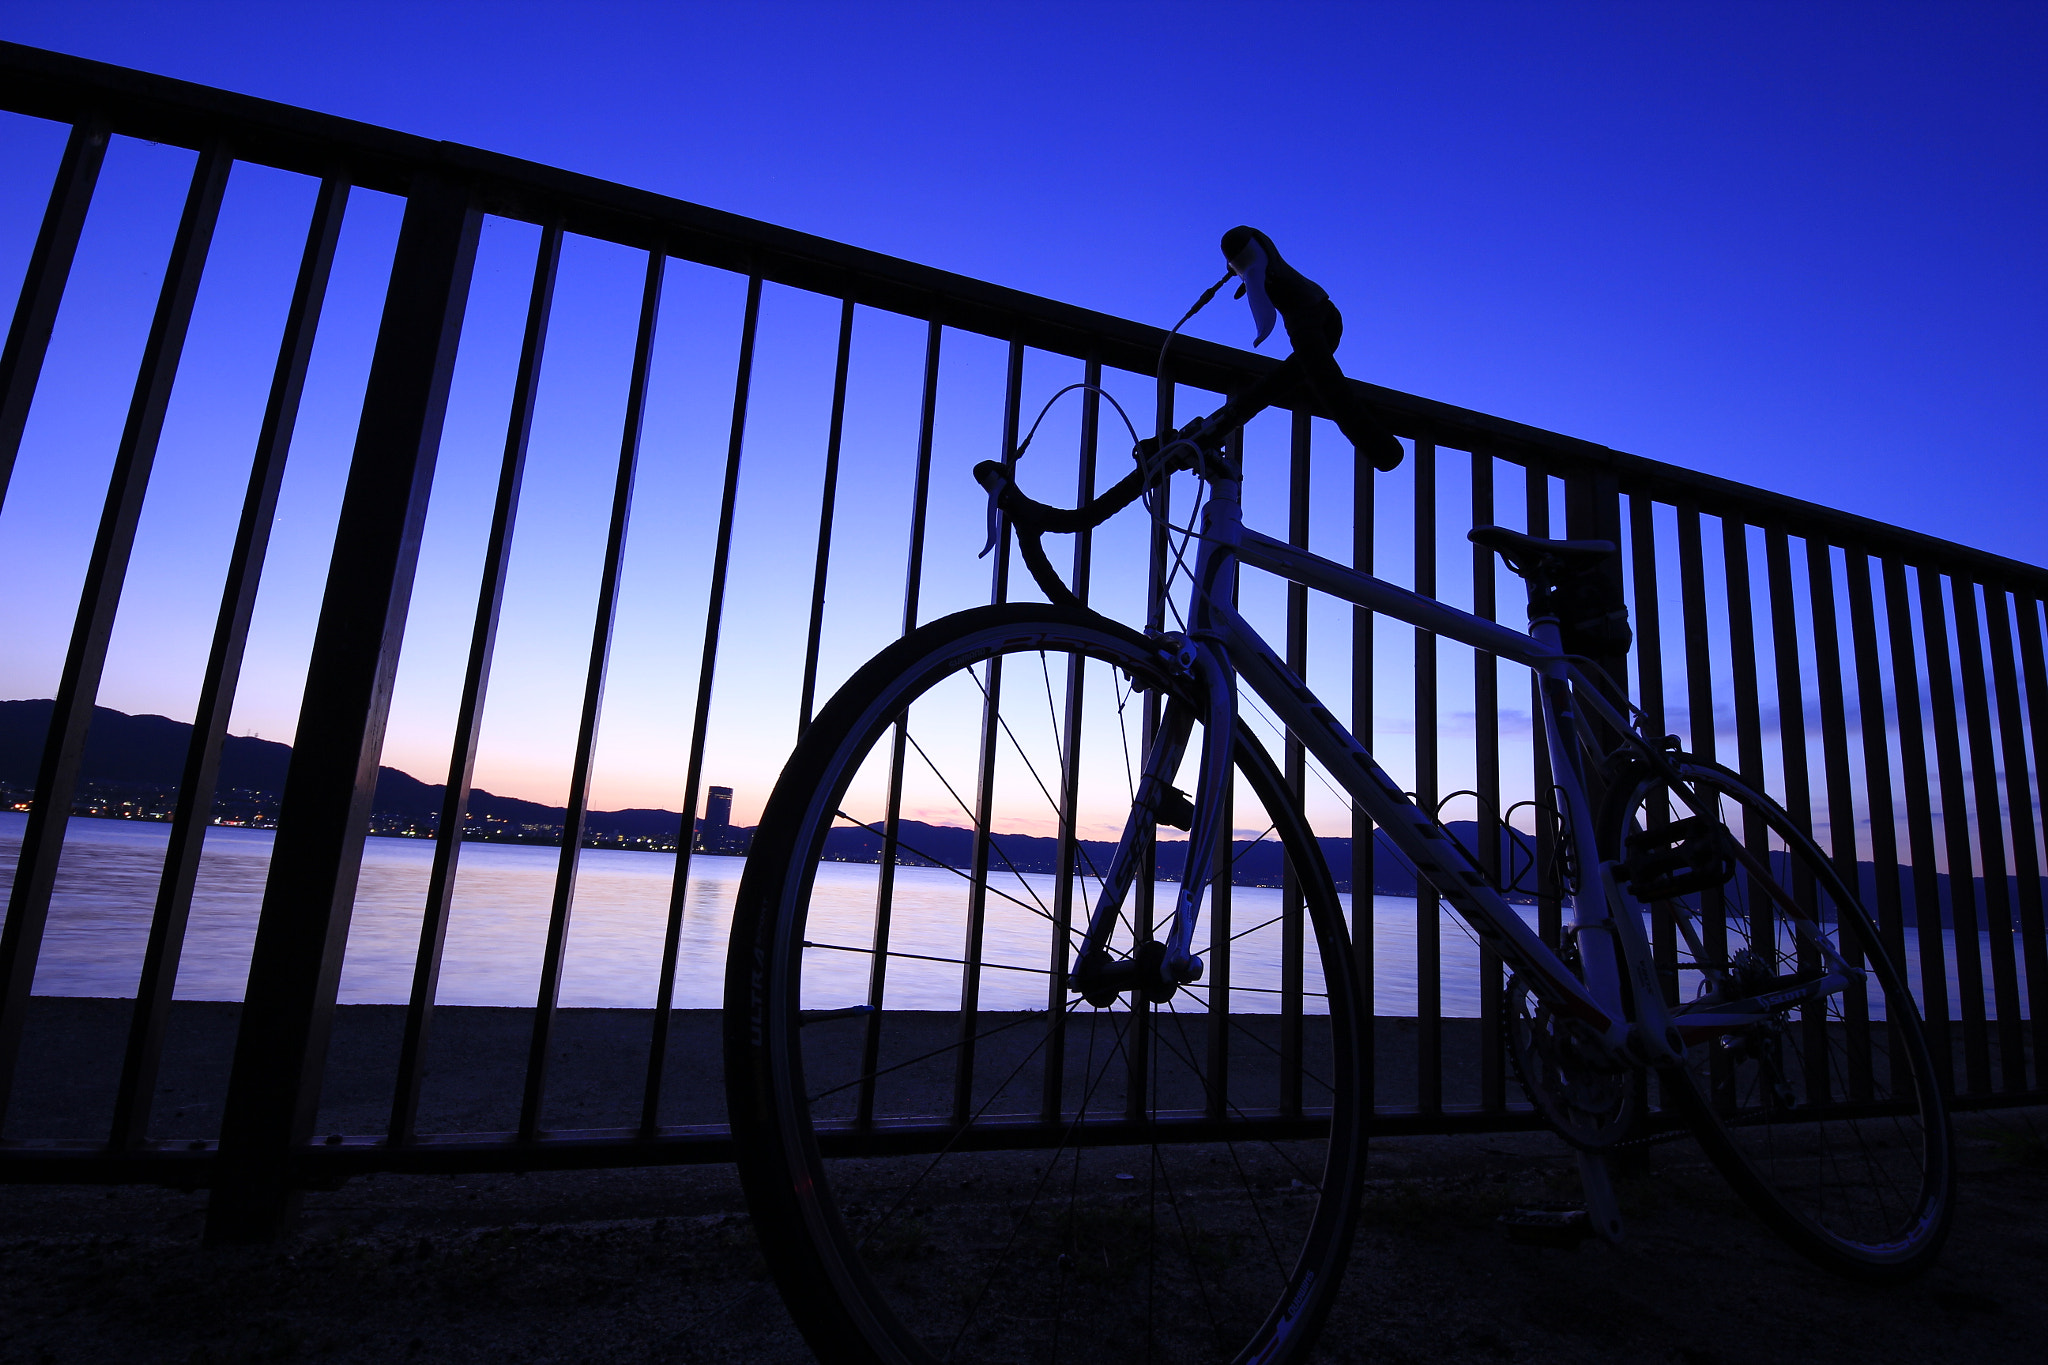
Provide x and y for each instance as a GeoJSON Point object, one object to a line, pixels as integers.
{"type": "Point", "coordinates": [134, 749]}
{"type": "Point", "coordinates": [149, 752]}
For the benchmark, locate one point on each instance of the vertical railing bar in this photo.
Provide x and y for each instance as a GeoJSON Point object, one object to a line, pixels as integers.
{"type": "Point", "coordinates": [1362, 836]}
{"type": "Point", "coordinates": [1429, 1027]}
{"type": "Point", "coordinates": [1295, 774]}
{"type": "Point", "coordinates": [1647, 613]}
{"type": "Point", "coordinates": [1222, 874]}
{"type": "Point", "coordinates": [985, 778]}
{"type": "Point", "coordinates": [1641, 565]}
{"type": "Point", "coordinates": [885, 881]}
{"type": "Point", "coordinates": [1217, 1026]}
{"type": "Point", "coordinates": [308, 900]}
{"type": "Point", "coordinates": [1798, 795]}
{"type": "Point", "coordinates": [1877, 776]}
{"type": "Point", "coordinates": [920, 493]}
{"type": "Point", "coordinates": [1549, 905]}
{"type": "Point", "coordinates": [476, 680]}
{"type": "Point", "coordinates": [1053, 1076]}
{"type": "Point", "coordinates": [577, 809]}
{"type": "Point", "coordinates": [1749, 744]}
{"type": "Point", "coordinates": [2035, 670]}
{"type": "Point", "coordinates": [827, 503]}
{"type": "Point", "coordinates": [1827, 665]}
{"type": "Point", "coordinates": [1223, 870]}
{"type": "Point", "coordinates": [42, 842]}
{"type": "Point", "coordinates": [1493, 1095]}
{"type": "Point", "coordinates": [1955, 829]}
{"type": "Point", "coordinates": [1983, 765]}
{"type": "Point", "coordinates": [1699, 676]}
{"type": "Point", "coordinates": [1138, 1042]}
{"type": "Point", "coordinates": [1841, 804]}
{"type": "Point", "coordinates": [1934, 998]}
{"type": "Point", "coordinates": [1701, 719]}
{"type": "Point", "coordinates": [1649, 652]}
{"type": "Point", "coordinates": [1749, 733]}
{"type": "Point", "coordinates": [2026, 864]}
{"type": "Point", "coordinates": [42, 287]}
{"type": "Point", "coordinates": [199, 778]}
{"type": "Point", "coordinates": [700, 724]}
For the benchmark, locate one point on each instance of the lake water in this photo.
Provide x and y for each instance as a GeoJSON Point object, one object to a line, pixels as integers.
{"type": "Point", "coordinates": [106, 886]}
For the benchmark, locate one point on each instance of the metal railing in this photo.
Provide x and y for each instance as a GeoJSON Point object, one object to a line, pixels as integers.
{"type": "Point", "coordinates": [1890, 687]}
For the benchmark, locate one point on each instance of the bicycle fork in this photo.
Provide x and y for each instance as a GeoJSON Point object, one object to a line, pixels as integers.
{"type": "Point", "coordinates": [1155, 970]}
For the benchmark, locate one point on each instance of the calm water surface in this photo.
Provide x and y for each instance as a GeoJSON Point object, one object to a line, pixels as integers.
{"type": "Point", "coordinates": [106, 886]}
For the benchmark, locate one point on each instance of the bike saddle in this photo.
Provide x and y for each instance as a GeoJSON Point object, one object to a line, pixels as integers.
{"type": "Point", "coordinates": [1531, 554]}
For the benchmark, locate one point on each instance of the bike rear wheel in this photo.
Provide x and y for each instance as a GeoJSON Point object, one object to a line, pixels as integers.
{"type": "Point", "coordinates": [949, 1156]}
{"type": "Point", "coordinates": [1824, 1114]}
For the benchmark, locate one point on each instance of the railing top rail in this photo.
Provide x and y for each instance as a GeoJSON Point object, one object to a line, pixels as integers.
{"type": "Point", "coordinates": [73, 89]}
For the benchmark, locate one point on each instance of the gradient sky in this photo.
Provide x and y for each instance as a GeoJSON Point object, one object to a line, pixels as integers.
{"type": "Point", "coordinates": [1796, 246]}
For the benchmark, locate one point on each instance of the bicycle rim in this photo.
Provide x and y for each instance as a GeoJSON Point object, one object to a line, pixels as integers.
{"type": "Point", "coordinates": [986, 1168]}
{"type": "Point", "coordinates": [1825, 1116]}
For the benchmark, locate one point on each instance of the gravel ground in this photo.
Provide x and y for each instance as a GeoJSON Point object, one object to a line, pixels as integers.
{"type": "Point", "coordinates": [660, 1265]}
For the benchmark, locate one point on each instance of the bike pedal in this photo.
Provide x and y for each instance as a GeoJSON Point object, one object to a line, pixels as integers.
{"type": "Point", "coordinates": [1547, 1225]}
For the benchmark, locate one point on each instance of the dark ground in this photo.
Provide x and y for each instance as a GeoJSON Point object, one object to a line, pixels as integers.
{"type": "Point", "coordinates": [660, 1265]}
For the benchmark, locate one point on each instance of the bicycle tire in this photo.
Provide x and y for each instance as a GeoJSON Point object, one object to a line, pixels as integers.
{"type": "Point", "coordinates": [1209, 1218]}
{"type": "Point", "coordinates": [1826, 1117]}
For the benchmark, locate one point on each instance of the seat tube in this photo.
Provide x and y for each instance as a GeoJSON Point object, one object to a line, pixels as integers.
{"type": "Point", "coordinates": [1600, 954]}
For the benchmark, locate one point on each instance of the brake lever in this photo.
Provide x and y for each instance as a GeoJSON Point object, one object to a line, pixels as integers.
{"type": "Point", "coordinates": [997, 480]}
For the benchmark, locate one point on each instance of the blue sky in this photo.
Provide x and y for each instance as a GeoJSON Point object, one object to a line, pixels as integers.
{"type": "Point", "coordinates": [1798, 246]}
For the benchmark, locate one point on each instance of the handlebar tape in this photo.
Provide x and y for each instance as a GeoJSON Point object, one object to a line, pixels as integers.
{"type": "Point", "coordinates": [1036, 518]}
{"type": "Point", "coordinates": [1032, 519]}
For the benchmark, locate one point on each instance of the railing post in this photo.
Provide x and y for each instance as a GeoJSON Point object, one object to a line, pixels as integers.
{"type": "Point", "coordinates": [274, 1090]}
{"type": "Point", "coordinates": [1592, 511]}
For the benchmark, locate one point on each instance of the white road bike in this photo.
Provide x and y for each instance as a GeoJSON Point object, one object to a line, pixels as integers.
{"type": "Point", "coordinates": [1006, 1092]}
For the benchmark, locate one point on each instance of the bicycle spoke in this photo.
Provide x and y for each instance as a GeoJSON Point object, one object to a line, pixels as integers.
{"type": "Point", "coordinates": [973, 823]}
{"type": "Point", "coordinates": [967, 877]}
{"type": "Point", "coordinates": [922, 1057]}
{"type": "Point", "coordinates": [925, 957]}
{"type": "Point", "coordinates": [1054, 1253]}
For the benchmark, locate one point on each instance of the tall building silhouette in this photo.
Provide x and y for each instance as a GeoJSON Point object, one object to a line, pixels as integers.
{"type": "Point", "coordinates": [717, 834]}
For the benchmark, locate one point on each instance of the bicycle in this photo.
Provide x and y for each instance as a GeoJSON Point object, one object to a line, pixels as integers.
{"type": "Point", "coordinates": [1161, 1154]}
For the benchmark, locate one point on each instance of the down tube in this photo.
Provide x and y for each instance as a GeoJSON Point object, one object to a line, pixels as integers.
{"type": "Point", "coordinates": [1415, 834]}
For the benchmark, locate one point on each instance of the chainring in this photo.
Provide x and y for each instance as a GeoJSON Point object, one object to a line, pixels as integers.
{"type": "Point", "coordinates": [1590, 1102]}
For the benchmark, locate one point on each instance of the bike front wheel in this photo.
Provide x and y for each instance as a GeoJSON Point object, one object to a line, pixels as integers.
{"type": "Point", "coordinates": [948, 1154]}
{"type": "Point", "coordinates": [1821, 1108]}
